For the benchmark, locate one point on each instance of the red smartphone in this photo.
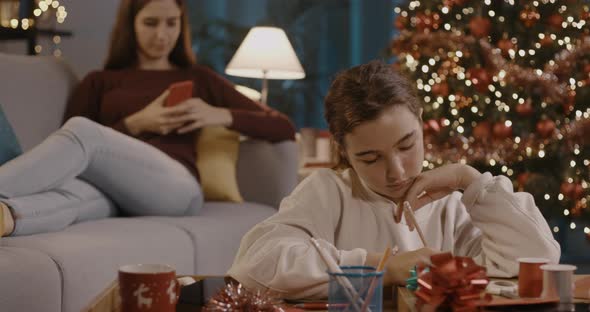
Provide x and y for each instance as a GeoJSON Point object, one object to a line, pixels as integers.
{"type": "Point", "coordinates": [179, 92]}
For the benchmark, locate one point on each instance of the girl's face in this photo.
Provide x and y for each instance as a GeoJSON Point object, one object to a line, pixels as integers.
{"type": "Point", "coordinates": [387, 153]}
{"type": "Point", "coordinates": [157, 28]}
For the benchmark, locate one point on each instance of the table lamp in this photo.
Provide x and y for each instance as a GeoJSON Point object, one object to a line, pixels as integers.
{"type": "Point", "coordinates": [265, 53]}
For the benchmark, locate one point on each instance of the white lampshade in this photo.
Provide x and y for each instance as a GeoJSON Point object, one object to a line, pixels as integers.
{"type": "Point", "coordinates": [265, 53]}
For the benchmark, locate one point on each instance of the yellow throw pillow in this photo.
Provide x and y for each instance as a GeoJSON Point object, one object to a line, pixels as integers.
{"type": "Point", "coordinates": [217, 157]}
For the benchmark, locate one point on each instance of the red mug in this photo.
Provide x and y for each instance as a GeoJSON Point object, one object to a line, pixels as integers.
{"type": "Point", "coordinates": [148, 288]}
{"type": "Point", "coordinates": [530, 277]}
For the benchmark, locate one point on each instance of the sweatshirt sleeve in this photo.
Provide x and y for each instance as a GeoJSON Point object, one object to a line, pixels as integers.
{"type": "Point", "coordinates": [85, 102]}
{"type": "Point", "coordinates": [502, 226]}
{"type": "Point", "coordinates": [85, 99]}
{"type": "Point", "coordinates": [249, 117]}
{"type": "Point", "coordinates": [277, 254]}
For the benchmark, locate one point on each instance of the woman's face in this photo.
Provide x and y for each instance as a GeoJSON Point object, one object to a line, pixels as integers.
{"type": "Point", "coordinates": [157, 28]}
{"type": "Point", "coordinates": [387, 153]}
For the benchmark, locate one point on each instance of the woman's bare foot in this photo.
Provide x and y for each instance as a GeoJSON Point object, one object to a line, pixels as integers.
{"type": "Point", "coordinates": [7, 220]}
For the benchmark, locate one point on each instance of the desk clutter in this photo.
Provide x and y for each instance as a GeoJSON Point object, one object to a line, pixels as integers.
{"type": "Point", "coordinates": [445, 282]}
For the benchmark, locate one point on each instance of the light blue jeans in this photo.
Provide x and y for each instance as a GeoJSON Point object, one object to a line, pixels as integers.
{"type": "Point", "coordinates": [84, 170]}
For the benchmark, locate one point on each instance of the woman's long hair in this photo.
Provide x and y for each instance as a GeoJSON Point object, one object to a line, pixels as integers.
{"type": "Point", "coordinates": [123, 48]}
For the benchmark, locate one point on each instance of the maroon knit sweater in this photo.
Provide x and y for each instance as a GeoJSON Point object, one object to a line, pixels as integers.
{"type": "Point", "coordinates": [109, 96]}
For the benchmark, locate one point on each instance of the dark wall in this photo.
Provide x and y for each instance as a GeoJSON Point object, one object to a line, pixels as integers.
{"type": "Point", "coordinates": [328, 36]}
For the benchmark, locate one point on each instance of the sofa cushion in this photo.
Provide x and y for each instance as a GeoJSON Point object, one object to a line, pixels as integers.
{"type": "Point", "coordinates": [34, 95]}
{"type": "Point", "coordinates": [267, 172]}
{"type": "Point", "coordinates": [217, 156]}
{"type": "Point", "coordinates": [217, 232]}
{"type": "Point", "coordinates": [9, 147]}
{"type": "Point", "coordinates": [27, 274]}
{"type": "Point", "coordinates": [88, 254]}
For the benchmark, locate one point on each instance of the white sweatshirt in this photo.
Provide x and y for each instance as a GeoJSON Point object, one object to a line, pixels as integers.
{"type": "Point", "coordinates": [488, 222]}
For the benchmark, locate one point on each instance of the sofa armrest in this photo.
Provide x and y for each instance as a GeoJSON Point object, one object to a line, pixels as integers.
{"type": "Point", "coordinates": [267, 172]}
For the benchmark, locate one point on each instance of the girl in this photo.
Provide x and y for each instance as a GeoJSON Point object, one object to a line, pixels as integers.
{"type": "Point", "coordinates": [375, 120]}
{"type": "Point", "coordinates": [120, 146]}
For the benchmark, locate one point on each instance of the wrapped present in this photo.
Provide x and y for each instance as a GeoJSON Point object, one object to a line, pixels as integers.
{"type": "Point", "coordinates": [453, 283]}
{"type": "Point", "coordinates": [412, 281]}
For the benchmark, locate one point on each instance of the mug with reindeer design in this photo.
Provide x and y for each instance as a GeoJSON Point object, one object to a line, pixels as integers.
{"type": "Point", "coordinates": [148, 288]}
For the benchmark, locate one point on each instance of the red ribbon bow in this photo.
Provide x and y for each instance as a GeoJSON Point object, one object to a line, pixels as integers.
{"type": "Point", "coordinates": [453, 282]}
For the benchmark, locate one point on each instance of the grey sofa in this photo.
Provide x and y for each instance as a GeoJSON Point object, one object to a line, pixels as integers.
{"type": "Point", "coordinates": [66, 270]}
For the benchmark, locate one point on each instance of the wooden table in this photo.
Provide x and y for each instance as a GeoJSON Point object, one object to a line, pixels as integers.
{"type": "Point", "coordinates": [109, 300]}
{"type": "Point", "coordinates": [406, 300]}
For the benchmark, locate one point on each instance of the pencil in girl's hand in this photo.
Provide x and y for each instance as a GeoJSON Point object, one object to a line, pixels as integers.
{"type": "Point", "coordinates": [409, 212]}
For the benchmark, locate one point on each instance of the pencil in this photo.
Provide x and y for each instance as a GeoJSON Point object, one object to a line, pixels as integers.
{"type": "Point", "coordinates": [410, 215]}
{"type": "Point", "coordinates": [349, 290]}
{"type": "Point", "coordinates": [380, 267]}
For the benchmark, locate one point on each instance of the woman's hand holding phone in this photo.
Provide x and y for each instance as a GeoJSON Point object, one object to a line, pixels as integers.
{"type": "Point", "coordinates": [155, 118]}
{"type": "Point", "coordinates": [162, 116]}
{"type": "Point", "coordinates": [195, 113]}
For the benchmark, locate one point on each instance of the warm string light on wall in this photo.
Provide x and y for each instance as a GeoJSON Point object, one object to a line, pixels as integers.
{"type": "Point", "coordinates": [45, 11]}
{"type": "Point", "coordinates": [499, 91]}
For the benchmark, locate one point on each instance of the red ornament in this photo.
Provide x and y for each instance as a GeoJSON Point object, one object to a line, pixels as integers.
{"type": "Point", "coordinates": [555, 20]}
{"type": "Point", "coordinates": [587, 68]}
{"type": "Point", "coordinates": [401, 22]}
{"type": "Point", "coordinates": [501, 131]}
{"type": "Point", "coordinates": [505, 45]}
{"type": "Point", "coordinates": [523, 178]}
{"type": "Point", "coordinates": [480, 26]}
{"type": "Point", "coordinates": [482, 131]}
{"type": "Point", "coordinates": [452, 3]}
{"type": "Point", "coordinates": [585, 16]}
{"type": "Point", "coordinates": [529, 16]}
{"type": "Point", "coordinates": [441, 89]}
{"type": "Point", "coordinates": [573, 191]}
{"type": "Point", "coordinates": [526, 108]}
{"type": "Point", "coordinates": [546, 41]}
{"type": "Point", "coordinates": [567, 189]}
{"type": "Point", "coordinates": [480, 79]}
{"type": "Point", "coordinates": [545, 128]}
{"type": "Point", "coordinates": [578, 191]}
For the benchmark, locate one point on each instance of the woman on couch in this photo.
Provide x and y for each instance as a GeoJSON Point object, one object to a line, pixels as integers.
{"type": "Point", "coordinates": [375, 120]}
{"type": "Point", "coordinates": [133, 152]}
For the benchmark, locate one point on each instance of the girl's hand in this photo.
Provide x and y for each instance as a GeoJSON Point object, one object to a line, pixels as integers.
{"type": "Point", "coordinates": [397, 268]}
{"type": "Point", "coordinates": [437, 183]}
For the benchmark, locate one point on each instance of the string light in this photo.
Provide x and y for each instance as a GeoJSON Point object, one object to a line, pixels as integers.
{"type": "Point", "coordinates": [42, 7]}
{"type": "Point", "coordinates": [450, 84]}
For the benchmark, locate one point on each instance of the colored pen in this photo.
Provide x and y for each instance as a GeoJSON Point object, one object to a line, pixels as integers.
{"type": "Point", "coordinates": [319, 305]}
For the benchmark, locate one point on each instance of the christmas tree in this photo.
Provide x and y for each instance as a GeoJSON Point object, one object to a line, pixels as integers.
{"type": "Point", "coordinates": [506, 88]}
